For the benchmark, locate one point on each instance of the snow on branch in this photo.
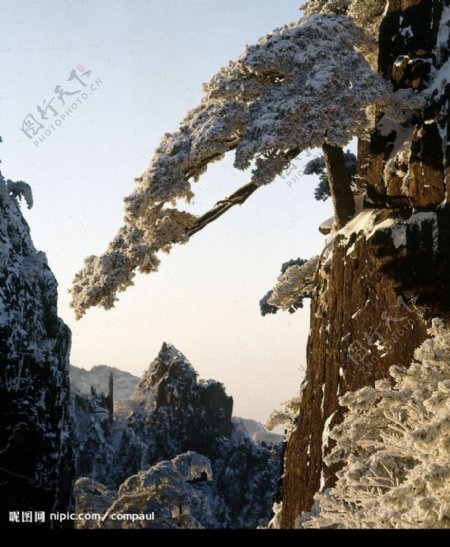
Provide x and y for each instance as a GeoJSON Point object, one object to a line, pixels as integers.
{"type": "Point", "coordinates": [300, 86]}
{"type": "Point", "coordinates": [295, 283]}
{"type": "Point", "coordinates": [288, 412]}
{"type": "Point", "coordinates": [394, 444]}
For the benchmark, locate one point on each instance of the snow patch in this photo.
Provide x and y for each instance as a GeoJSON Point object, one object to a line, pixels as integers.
{"type": "Point", "coordinates": [326, 432]}
{"type": "Point", "coordinates": [398, 228]}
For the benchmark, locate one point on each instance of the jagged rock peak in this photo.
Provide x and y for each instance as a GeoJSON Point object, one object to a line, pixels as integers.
{"type": "Point", "coordinates": [169, 361]}
{"type": "Point", "coordinates": [171, 381]}
{"type": "Point", "coordinates": [154, 456]}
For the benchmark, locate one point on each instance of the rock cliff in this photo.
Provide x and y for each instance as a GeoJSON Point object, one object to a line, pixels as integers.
{"type": "Point", "coordinates": [36, 465]}
{"type": "Point", "coordinates": [385, 275]}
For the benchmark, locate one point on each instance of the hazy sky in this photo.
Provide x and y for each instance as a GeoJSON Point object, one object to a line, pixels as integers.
{"type": "Point", "coordinates": [152, 57]}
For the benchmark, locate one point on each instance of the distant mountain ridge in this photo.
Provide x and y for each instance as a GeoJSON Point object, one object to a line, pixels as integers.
{"type": "Point", "coordinates": [125, 385]}
{"type": "Point", "coordinates": [98, 377]}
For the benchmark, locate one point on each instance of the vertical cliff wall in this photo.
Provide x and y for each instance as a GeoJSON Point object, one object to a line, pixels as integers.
{"type": "Point", "coordinates": [383, 276]}
{"type": "Point", "coordinates": [36, 470]}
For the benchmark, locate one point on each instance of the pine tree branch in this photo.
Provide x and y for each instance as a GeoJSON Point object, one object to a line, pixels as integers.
{"type": "Point", "coordinates": [237, 198]}
{"type": "Point", "coordinates": [221, 207]}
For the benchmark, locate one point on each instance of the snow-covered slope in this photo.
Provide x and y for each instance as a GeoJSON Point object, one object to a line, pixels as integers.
{"type": "Point", "coordinates": [36, 465]}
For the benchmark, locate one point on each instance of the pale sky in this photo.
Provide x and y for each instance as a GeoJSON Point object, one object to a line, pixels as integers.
{"type": "Point", "coordinates": [152, 57]}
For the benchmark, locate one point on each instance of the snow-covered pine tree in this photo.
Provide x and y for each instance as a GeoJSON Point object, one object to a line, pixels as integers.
{"type": "Point", "coordinates": [394, 445]}
{"type": "Point", "coordinates": [295, 283]}
{"type": "Point", "coordinates": [302, 86]}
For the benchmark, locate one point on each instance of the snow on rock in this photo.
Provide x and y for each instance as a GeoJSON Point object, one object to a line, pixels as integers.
{"type": "Point", "coordinates": [170, 413]}
{"type": "Point", "coordinates": [92, 415]}
{"type": "Point", "coordinates": [326, 226]}
{"type": "Point", "coordinates": [369, 222]}
{"type": "Point", "coordinates": [171, 494]}
{"type": "Point", "coordinates": [36, 464]}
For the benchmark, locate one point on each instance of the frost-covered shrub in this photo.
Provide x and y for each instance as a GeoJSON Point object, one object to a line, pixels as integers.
{"type": "Point", "coordinates": [338, 7]}
{"type": "Point", "coordinates": [177, 492]}
{"type": "Point", "coordinates": [20, 190]}
{"type": "Point", "coordinates": [288, 412]}
{"type": "Point", "coordinates": [266, 307]}
{"type": "Point", "coordinates": [395, 446]}
{"type": "Point", "coordinates": [295, 283]}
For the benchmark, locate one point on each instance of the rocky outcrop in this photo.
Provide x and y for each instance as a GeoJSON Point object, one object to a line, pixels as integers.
{"type": "Point", "coordinates": [355, 339]}
{"type": "Point", "coordinates": [385, 275]}
{"type": "Point", "coordinates": [171, 494]}
{"type": "Point", "coordinates": [170, 413]}
{"type": "Point", "coordinates": [36, 464]}
{"type": "Point", "coordinates": [178, 412]}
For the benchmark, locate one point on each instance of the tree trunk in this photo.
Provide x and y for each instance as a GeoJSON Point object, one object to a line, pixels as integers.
{"type": "Point", "coordinates": [339, 181]}
{"type": "Point", "coordinates": [385, 274]}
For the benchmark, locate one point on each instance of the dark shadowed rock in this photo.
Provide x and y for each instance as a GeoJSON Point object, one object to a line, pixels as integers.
{"type": "Point", "coordinates": [36, 465]}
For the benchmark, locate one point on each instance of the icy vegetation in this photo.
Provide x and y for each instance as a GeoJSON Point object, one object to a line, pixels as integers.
{"type": "Point", "coordinates": [172, 494]}
{"type": "Point", "coordinates": [295, 283]}
{"type": "Point", "coordinates": [20, 190]}
{"type": "Point", "coordinates": [36, 465]}
{"type": "Point", "coordinates": [279, 98]}
{"type": "Point", "coordinates": [394, 445]}
{"type": "Point", "coordinates": [365, 13]}
{"type": "Point", "coordinates": [170, 413]}
{"type": "Point", "coordinates": [287, 414]}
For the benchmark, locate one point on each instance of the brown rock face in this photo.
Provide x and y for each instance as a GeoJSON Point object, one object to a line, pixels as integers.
{"type": "Point", "coordinates": [385, 274]}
